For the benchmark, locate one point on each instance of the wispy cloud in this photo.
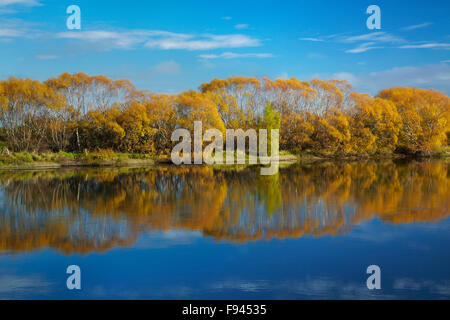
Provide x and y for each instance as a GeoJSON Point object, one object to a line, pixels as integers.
{"type": "Point", "coordinates": [435, 76]}
{"type": "Point", "coordinates": [162, 39]}
{"type": "Point", "coordinates": [15, 28]}
{"type": "Point", "coordinates": [241, 26]}
{"type": "Point", "coordinates": [29, 3]}
{"type": "Point", "coordinates": [364, 47]}
{"type": "Point", "coordinates": [417, 26]}
{"type": "Point", "coordinates": [227, 18]}
{"type": "Point", "coordinates": [374, 36]}
{"type": "Point", "coordinates": [120, 39]}
{"type": "Point", "coordinates": [204, 42]}
{"type": "Point", "coordinates": [10, 33]}
{"type": "Point", "coordinates": [312, 39]}
{"type": "Point", "coordinates": [231, 55]}
{"type": "Point", "coordinates": [10, 6]}
{"type": "Point", "coordinates": [426, 46]}
{"type": "Point", "coordinates": [379, 36]}
{"type": "Point", "coordinates": [104, 40]}
{"type": "Point", "coordinates": [365, 42]}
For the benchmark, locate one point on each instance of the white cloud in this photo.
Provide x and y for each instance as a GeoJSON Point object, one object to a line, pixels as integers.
{"type": "Point", "coordinates": [10, 6]}
{"type": "Point", "coordinates": [426, 46]}
{"type": "Point", "coordinates": [380, 40]}
{"type": "Point", "coordinates": [241, 26]}
{"type": "Point", "coordinates": [227, 18]}
{"type": "Point", "coordinates": [161, 39]}
{"type": "Point", "coordinates": [129, 39]}
{"type": "Point", "coordinates": [205, 42]}
{"type": "Point", "coordinates": [120, 39]}
{"type": "Point", "coordinates": [374, 40]}
{"type": "Point", "coordinates": [365, 42]}
{"type": "Point", "coordinates": [123, 40]}
{"type": "Point", "coordinates": [10, 33]}
{"type": "Point", "coordinates": [363, 48]}
{"type": "Point", "coordinates": [417, 26]}
{"type": "Point", "coordinates": [232, 55]}
{"type": "Point", "coordinates": [374, 36]}
{"type": "Point", "coordinates": [311, 39]}
{"type": "Point", "coordinates": [15, 28]}
{"type": "Point", "coordinates": [436, 76]}
{"type": "Point", "coordinates": [167, 67]}
{"type": "Point", "coordinates": [29, 3]}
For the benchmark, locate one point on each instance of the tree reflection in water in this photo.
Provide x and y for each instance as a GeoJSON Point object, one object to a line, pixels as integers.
{"type": "Point", "coordinates": [90, 210]}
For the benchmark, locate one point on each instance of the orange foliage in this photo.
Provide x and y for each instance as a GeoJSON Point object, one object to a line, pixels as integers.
{"type": "Point", "coordinates": [94, 210]}
{"type": "Point", "coordinates": [73, 112]}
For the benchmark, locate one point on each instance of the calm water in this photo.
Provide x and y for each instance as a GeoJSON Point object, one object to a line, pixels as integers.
{"type": "Point", "coordinates": [196, 233]}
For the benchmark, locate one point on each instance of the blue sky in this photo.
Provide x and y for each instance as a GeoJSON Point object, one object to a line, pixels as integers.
{"type": "Point", "coordinates": [171, 46]}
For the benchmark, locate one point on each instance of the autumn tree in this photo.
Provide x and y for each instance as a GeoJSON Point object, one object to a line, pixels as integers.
{"type": "Point", "coordinates": [86, 93]}
{"type": "Point", "coordinates": [425, 116]}
{"type": "Point", "coordinates": [162, 114]}
{"type": "Point", "coordinates": [332, 132]}
{"type": "Point", "coordinates": [375, 124]}
{"type": "Point", "coordinates": [238, 100]}
{"type": "Point", "coordinates": [138, 130]}
{"type": "Point", "coordinates": [327, 95]}
{"type": "Point", "coordinates": [24, 114]}
{"type": "Point", "coordinates": [194, 106]}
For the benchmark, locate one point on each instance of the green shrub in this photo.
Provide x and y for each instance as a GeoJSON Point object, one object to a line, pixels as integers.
{"type": "Point", "coordinates": [23, 157]}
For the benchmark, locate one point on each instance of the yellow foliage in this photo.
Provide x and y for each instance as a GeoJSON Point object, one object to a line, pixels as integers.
{"type": "Point", "coordinates": [425, 116]}
{"type": "Point", "coordinates": [77, 111]}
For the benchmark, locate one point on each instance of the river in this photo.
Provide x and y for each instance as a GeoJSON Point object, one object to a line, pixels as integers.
{"type": "Point", "coordinates": [166, 232]}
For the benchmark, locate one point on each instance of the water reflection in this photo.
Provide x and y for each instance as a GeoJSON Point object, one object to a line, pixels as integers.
{"type": "Point", "coordinates": [82, 211]}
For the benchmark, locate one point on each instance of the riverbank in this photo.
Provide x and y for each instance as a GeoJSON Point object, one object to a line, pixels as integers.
{"type": "Point", "coordinates": [107, 158]}
{"type": "Point", "coordinates": [103, 158]}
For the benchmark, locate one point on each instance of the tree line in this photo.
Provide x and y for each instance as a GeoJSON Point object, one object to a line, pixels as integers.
{"type": "Point", "coordinates": [77, 112]}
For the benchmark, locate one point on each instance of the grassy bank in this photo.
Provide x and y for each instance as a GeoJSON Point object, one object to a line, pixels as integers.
{"type": "Point", "coordinates": [444, 152]}
{"type": "Point", "coordinates": [27, 160]}
{"type": "Point", "coordinates": [109, 158]}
